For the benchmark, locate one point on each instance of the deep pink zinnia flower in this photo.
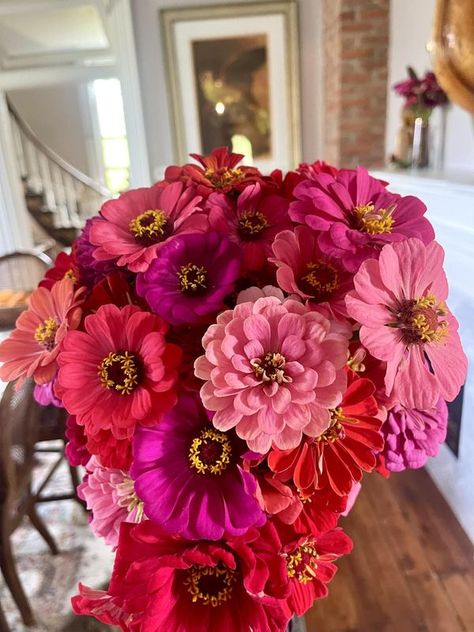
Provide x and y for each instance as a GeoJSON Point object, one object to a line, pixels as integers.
{"type": "Point", "coordinates": [75, 449]}
{"type": "Point", "coordinates": [400, 302]}
{"type": "Point", "coordinates": [32, 348]}
{"type": "Point", "coordinates": [251, 221]}
{"type": "Point", "coordinates": [160, 582]}
{"type": "Point", "coordinates": [216, 172]}
{"type": "Point", "coordinates": [357, 216]}
{"type": "Point", "coordinates": [110, 495]}
{"type": "Point", "coordinates": [273, 370]}
{"type": "Point", "coordinates": [303, 269]}
{"type": "Point", "coordinates": [411, 436]}
{"type": "Point", "coordinates": [119, 372]}
{"type": "Point", "coordinates": [191, 278]}
{"type": "Point", "coordinates": [135, 226]}
{"type": "Point", "coordinates": [184, 456]}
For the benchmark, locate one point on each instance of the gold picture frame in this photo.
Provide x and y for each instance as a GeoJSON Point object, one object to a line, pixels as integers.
{"type": "Point", "coordinates": [248, 53]}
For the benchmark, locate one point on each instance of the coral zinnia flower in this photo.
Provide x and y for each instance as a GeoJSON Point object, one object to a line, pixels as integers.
{"type": "Point", "coordinates": [32, 348]}
{"type": "Point", "coordinates": [400, 302]}
{"type": "Point", "coordinates": [310, 566]}
{"type": "Point", "coordinates": [411, 436]}
{"type": "Point", "coordinates": [191, 278]}
{"type": "Point", "coordinates": [357, 215]}
{"type": "Point", "coordinates": [119, 371]}
{"type": "Point", "coordinates": [135, 226]}
{"type": "Point", "coordinates": [251, 221]}
{"type": "Point", "coordinates": [272, 371]}
{"type": "Point", "coordinates": [161, 582]}
{"type": "Point", "coordinates": [217, 172]}
{"type": "Point", "coordinates": [337, 457]}
{"type": "Point", "coordinates": [303, 269]}
{"type": "Point", "coordinates": [185, 457]}
{"type": "Point", "coordinates": [110, 495]}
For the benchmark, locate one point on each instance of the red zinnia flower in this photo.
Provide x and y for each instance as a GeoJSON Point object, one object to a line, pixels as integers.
{"type": "Point", "coordinates": [64, 267]}
{"type": "Point", "coordinates": [338, 456]}
{"type": "Point", "coordinates": [161, 582]}
{"type": "Point", "coordinates": [119, 371]}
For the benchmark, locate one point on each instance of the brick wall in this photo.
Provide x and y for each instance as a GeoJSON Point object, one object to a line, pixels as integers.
{"type": "Point", "coordinates": [356, 38]}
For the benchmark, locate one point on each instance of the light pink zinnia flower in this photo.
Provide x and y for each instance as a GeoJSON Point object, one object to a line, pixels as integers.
{"type": "Point", "coordinates": [357, 216]}
{"type": "Point", "coordinates": [136, 225]}
{"type": "Point", "coordinates": [400, 302]}
{"type": "Point", "coordinates": [110, 495]}
{"type": "Point", "coordinates": [32, 348]}
{"type": "Point", "coordinates": [304, 270]}
{"type": "Point", "coordinates": [273, 370]}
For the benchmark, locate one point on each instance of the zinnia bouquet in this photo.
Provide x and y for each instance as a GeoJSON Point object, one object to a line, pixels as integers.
{"type": "Point", "coordinates": [235, 351]}
{"type": "Point", "coordinates": [421, 94]}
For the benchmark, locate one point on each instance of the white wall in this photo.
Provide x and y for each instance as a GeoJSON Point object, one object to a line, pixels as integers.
{"type": "Point", "coordinates": [154, 88]}
{"type": "Point", "coordinates": [410, 30]}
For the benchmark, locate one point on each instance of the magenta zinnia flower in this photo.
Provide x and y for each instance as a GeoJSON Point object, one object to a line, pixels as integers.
{"type": "Point", "coordinates": [273, 370]}
{"type": "Point", "coordinates": [357, 216]}
{"type": "Point", "coordinates": [411, 436]}
{"type": "Point", "coordinates": [191, 278]}
{"type": "Point", "coordinates": [400, 302]}
{"type": "Point", "coordinates": [110, 496]}
{"type": "Point", "coordinates": [136, 226]}
{"type": "Point", "coordinates": [119, 372]}
{"type": "Point", "coordinates": [91, 271]}
{"type": "Point", "coordinates": [251, 221]}
{"type": "Point", "coordinates": [32, 348]}
{"type": "Point", "coordinates": [303, 269]}
{"type": "Point", "coordinates": [185, 457]}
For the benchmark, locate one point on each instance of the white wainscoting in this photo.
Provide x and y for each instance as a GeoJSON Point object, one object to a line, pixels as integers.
{"type": "Point", "coordinates": [450, 202]}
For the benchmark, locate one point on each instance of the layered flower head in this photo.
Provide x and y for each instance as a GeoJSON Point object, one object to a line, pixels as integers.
{"type": "Point", "coordinates": [191, 278]}
{"type": "Point", "coordinates": [134, 227]}
{"type": "Point", "coordinates": [357, 216]}
{"type": "Point", "coordinates": [411, 436]}
{"type": "Point", "coordinates": [272, 370]}
{"type": "Point", "coordinates": [119, 372]}
{"type": "Point", "coordinates": [400, 302]}
{"type": "Point", "coordinates": [32, 348]}
{"type": "Point", "coordinates": [161, 582]}
{"type": "Point", "coordinates": [303, 269]}
{"type": "Point", "coordinates": [251, 221]}
{"type": "Point", "coordinates": [185, 457]}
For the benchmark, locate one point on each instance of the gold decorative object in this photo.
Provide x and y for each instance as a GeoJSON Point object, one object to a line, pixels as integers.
{"type": "Point", "coordinates": [452, 49]}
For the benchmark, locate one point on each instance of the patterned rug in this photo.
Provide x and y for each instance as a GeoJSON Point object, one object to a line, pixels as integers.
{"type": "Point", "coordinates": [50, 581]}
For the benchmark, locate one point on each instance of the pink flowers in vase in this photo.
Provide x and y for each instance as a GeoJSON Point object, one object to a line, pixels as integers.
{"type": "Point", "coordinates": [236, 352]}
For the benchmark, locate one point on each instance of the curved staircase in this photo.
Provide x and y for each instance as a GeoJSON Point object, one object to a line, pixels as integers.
{"type": "Point", "coordinates": [58, 196]}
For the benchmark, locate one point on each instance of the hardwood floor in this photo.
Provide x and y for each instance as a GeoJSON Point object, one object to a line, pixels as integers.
{"type": "Point", "coordinates": [412, 567]}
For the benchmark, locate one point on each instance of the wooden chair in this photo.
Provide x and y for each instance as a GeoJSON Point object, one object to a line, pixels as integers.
{"type": "Point", "coordinates": [19, 431]}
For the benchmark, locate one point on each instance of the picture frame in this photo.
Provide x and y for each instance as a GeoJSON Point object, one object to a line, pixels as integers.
{"type": "Point", "coordinates": [233, 79]}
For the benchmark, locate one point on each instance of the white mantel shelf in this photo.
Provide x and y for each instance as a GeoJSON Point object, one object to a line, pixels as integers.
{"type": "Point", "coordinates": [450, 201]}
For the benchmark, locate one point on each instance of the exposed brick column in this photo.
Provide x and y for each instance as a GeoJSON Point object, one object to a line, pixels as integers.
{"type": "Point", "coordinates": [356, 38]}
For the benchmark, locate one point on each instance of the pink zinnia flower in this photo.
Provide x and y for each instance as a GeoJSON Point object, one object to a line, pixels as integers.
{"type": "Point", "coordinates": [252, 221]}
{"type": "Point", "coordinates": [304, 270]}
{"type": "Point", "coordinates": [357, 216]}
{"type": "Point", "coordinates": [411, 436]}
{"type": "Point", "coordinates": [273, 370]}
{"type": "Point", "coordinates": [400, 302]}
{"type": "Point", "coordinates": [119, 372]}
{"type": "Point", "coordinates": [136, 225]}
{"type": "Point", "coordinates": [32, 348]}
{"type": "Point", "coordinates": [110, 496]}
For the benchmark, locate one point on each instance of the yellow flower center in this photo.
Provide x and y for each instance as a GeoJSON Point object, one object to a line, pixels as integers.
{"type": "Point", "coordinates": [302, 564]}
{"type": "Point", "coordinates": [192, 279]}
{"type": "Point", "coordinates": [45, 333]}
{"type": "Point", "coordinates": [251, 224]}
{"type": "Point", "coordinates": [224, 177]}
{"type": "Point", "coordinates": [210, 452]}
{"type": "Point", "coordinates": [69, 274]}
{"type": "Point", "coordinates": [271, 368]}
{"type": "Point", "coordinates": [319, 279]}
{"type": "Point", "coordinates": [336, 429]}
{"type": "Point", "coordinates": [210, 585]}
{"type": "Point", "coordinates": [421, 320]}
{"type": "Point", "coordinates": [150, 227]}
{"type": "Point", "coordinates": [119, 372]}
{"type": "Point", "coordinates": [374, 222]}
